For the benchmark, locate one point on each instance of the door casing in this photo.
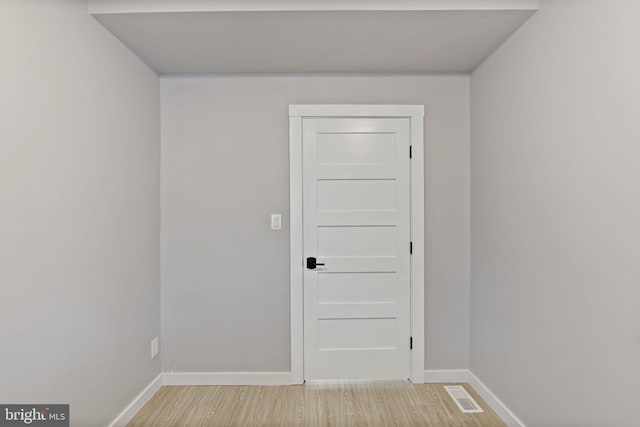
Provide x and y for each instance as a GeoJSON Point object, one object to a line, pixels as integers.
{"type": "Point", "coordinates": [415, 113]}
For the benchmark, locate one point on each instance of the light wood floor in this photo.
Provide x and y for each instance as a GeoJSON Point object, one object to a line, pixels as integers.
{"type": "Point", "coordinates": [395, 403]}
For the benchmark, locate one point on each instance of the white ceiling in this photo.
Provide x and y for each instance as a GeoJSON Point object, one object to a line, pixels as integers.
{"type": "Point", "coordinates": [312, 36]}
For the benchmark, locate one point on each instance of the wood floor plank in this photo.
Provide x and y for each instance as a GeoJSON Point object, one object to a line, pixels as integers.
{"type": "Point", "coordinates": [334, 404]}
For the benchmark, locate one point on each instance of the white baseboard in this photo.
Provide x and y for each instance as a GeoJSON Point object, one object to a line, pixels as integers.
{"type": "Point", "coordinates": [227, 378]}
{"type": "Point", "coordinates": [498, 407]}
{"type": "Point", "coordinates": [446, 376]}
{"type": "Point", "coordinates": [134, 407]}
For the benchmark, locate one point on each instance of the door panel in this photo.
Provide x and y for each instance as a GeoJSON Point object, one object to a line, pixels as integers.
{"type": "Point", "coordinates": [357, 148]}
{"type": "Point", "coordinates": [374, 195]}
{"type": "Point", "coordinates": [360, 241]}
{"type": "Point", "coordinates": [355, 288]}
{"type": "Point", "coordinates": [357, 333]}
{"type": "Point", "coordinates": [356, 219]}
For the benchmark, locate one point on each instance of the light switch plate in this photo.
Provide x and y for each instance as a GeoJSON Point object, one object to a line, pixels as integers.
{"type": "Point", "coordinates": [276, 221]}
{"type": "Point", "coordinates": [154, 347]}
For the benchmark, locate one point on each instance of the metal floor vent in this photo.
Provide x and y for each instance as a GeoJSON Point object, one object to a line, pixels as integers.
{"type": "Point", "coordinates": [464, 401]}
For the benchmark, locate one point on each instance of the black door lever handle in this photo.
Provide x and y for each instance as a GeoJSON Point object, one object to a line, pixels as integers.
{"type": "Point", "coordinates": [312, 263]}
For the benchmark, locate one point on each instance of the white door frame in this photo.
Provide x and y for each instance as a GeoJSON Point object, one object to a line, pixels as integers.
{"type": "Point", "coordinates": [415, 113]}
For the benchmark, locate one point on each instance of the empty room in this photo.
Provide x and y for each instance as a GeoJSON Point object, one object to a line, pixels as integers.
{"type": "Point", "coordinates": [320, 213]}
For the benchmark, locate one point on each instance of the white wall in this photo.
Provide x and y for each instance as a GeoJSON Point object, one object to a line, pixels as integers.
{"type": "Point", "coordinates": [225, 168]}
{"type": "Point", "coordinates": [79, 212]}
{"type": "Point", "coordinates": [555, 283]}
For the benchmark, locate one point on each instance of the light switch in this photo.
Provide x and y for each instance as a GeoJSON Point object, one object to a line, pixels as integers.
{"type": "Point", "coordinates": [276, 221]}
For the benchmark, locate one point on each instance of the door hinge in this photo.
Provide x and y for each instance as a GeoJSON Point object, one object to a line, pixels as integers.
{"type": "Point", "coordinates": [411, 247]}
{"type": "Point", "coordinates": [411, 151]}
{"type": "Point", "coordinates": [410, 343]}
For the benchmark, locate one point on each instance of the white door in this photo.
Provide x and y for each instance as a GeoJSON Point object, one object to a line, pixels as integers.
{"type": "Point", "coordinates": [356, 224]}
